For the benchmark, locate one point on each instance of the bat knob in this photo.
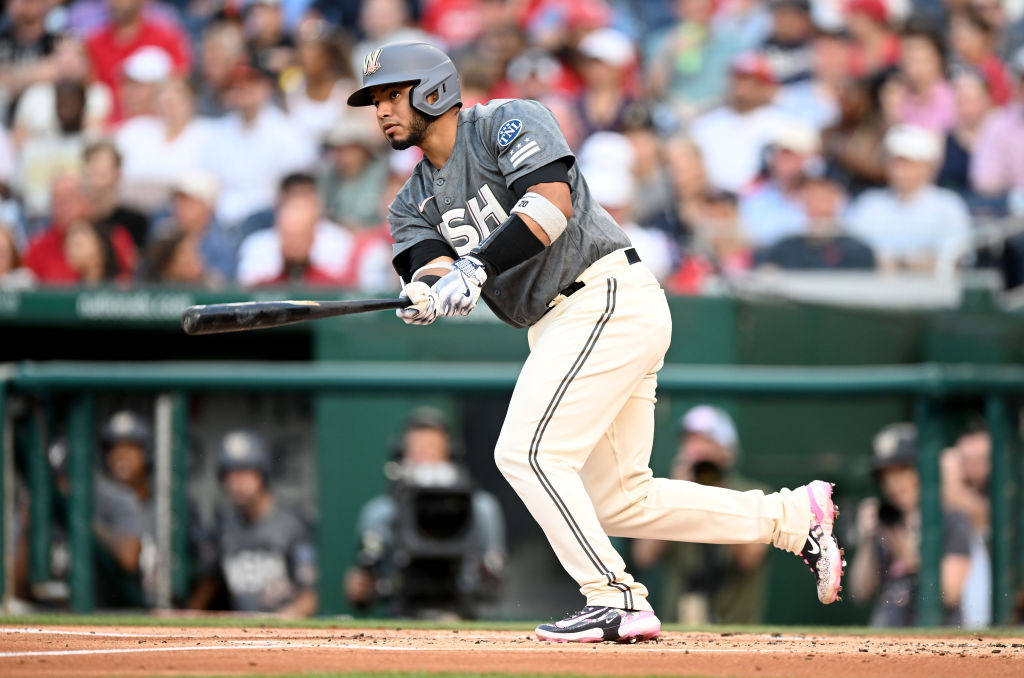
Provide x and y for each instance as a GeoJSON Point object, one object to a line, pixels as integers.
{"type": "Point", "coordinates": [190, 319]}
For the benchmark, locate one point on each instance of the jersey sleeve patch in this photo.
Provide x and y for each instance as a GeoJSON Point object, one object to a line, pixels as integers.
{"type": "Point", "coordinates": [523, 150]}
{"type": "Point", "coordinates": [509, 131]}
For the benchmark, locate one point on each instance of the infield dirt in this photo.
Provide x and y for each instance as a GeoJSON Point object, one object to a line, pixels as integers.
{"type": "Point", "coordinates": [45, 651]}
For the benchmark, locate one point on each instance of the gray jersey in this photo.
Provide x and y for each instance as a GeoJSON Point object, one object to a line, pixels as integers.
{"type": "Point", "coordinates": [462, 202]}
{"type": "Point", "coordinates": [264, 563]}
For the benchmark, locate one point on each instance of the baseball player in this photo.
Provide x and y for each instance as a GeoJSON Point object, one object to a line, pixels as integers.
{"type": "Point", "coordinates": [498, 209]}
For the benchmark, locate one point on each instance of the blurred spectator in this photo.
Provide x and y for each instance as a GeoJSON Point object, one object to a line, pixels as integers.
{"type": "Point", "coordinates": [71, 250]}
{"type": "Point", "coordinates": [789, 49]}
{"type": "Point", "coordinates": [815, 100]}
{"type": "Point", "coordinates": [222, 46]}
{"type": "Point", "coordinates": [876, 44]}
{"type": "Point", "coordinates": [36, 116]}
{"type": "Point", "coordinates": [689, 182]}
{"type": "Point", "coordinates": [434, 545]}
{"type": "Point", "coordinates": [688, 63]}
{"type": "Point", "coordinates": [49, 152]}
{"type": "Point", "coordinates": [26, 43]}
{"type": "Point", "coordinates": [607, 57]}
{"type": "Point", "coordinates": [535, 74]}
{"type": "Point", "coordinates": [606, 162]}
{"type": "Point", "coordinates": [157, 150]}
{"type": "Point", "coordinates": [650, 171]}
{"type": "Point", "coordinates": [709, 583]}
{"type": "Point", "coordinates": [315, 97]}
{"type": "Point", "coordinates": [732, 138]}
{"type": "Point", "coordinates": [913, 224]}
{"type": "Point", "coordinates": [302, 248]}
{"type": "Point", "coordinates": [888, 559]}
{"type": "Point", "coordinates": [456, 22]}
{"type": "Point", "coordinates": [175, 259]}
{"type": "Point", "coordinates": [260, 552]}
{"type": "Point", "coordinates": [718, 250]}
{"type": "Point", "coordinates": [821, 245]}
{"type": "Point", "coordinates": [353, 183]}
{"type": "Point", "coordinates": [966, 469]}
{"type": "Point", "coordinates": [102, 182]}
{"type": "Point", "coordinates": [922, 95]}
{"type": "Point", "coordinates": [382, 21]}
{"type": "Point", "coordinates": [853, 146]}
{"type": "Point", "coordinates": [973, 107]}
{"type": "Point", "coordinates": [127, 30]}
{"type": "Point", "coordinates": [972, 39]}
{"type": "Point", "coordinates": [773, 207]}
{"type": "Point", "coordinates": [13, 275]}
{"type": "Point", "coordinates": [144, 72]}
{"type": "Point", "coordinates": [271, 47]}
{"type": "Point", "coordinates": [253, 147]}
{"type": "Point", "coordinates": [209, 246]}
{"type": "Point", "coordinates": [997, 164]}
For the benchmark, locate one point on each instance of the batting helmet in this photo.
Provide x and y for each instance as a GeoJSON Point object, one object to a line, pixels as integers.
{"type": "Point", "coordinates": [420, 63]}
{"type": "Point", "coordinates": [127, 426]}
{"type": "Point", "coordinates": [243, 450]}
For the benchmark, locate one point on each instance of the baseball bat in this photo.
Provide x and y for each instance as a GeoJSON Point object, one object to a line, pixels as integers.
{"type": "Point", "coordinates": [253, 315]}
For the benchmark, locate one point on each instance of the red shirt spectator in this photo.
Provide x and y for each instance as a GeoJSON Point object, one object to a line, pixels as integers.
{"type": "Point", "coordinates": [128, 31]}
{"type": "Point", "coordinates": [71, 250]}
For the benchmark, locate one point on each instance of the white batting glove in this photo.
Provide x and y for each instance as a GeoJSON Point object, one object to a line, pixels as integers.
{"type": "Point", "coordinates": [423, 308]}
{"type": "Point", "coordinates": [458, 291]}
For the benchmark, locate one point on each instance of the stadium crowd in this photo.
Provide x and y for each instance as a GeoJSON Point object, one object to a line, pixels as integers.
{"type": "Point", "coordinates": [207, 142]}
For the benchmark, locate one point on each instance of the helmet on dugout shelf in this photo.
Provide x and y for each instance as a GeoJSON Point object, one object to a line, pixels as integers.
{"type": "Point", "coordinates": [426, 66]}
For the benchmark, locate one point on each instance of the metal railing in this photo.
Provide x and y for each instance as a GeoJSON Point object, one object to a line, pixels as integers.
{"type": "Point", "coordinates": [927, 384]}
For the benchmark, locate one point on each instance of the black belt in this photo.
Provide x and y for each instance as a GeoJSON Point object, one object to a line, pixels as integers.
{"type": "Point", "coordinates": [631, 256]}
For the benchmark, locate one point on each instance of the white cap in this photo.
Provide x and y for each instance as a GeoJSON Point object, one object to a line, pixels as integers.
{"type": "Point", "coordinates": [148, 64]}
{"type": "Point", "coordinates": [353, 128]}
{"type": "Point", "coordinates": [608, 45]}
{"type": "Point", "coordinates": [607, 149]}
{"type": "Point", "coordinates": [203, 186]}
{"type": "Point", "coordinates": [913, 143]}
{"type": "Point", "coordinates": [797, 136]}
{"type": "Point", "coordinates": [712, 422]}
{"type": "Point", "coordinates": [611, 187]}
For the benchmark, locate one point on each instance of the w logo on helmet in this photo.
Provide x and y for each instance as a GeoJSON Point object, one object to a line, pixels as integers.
{"type": "Point", "coordinates": [371, 62]}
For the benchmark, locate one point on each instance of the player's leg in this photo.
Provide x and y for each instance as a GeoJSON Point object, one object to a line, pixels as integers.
{"type": "Point", "coordinates": [587, 356]}
{"type": "Point", "coordinates": [631, 503]}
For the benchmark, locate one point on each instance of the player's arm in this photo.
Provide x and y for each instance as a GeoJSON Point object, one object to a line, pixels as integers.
{"type": "Point", "coordinates": [304, 605]}
{"type": "Point", "coordinates": [540, 215]}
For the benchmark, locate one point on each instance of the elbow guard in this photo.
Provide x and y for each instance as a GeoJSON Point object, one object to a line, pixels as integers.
{"type": "Point", "coordinates": [513, 242]}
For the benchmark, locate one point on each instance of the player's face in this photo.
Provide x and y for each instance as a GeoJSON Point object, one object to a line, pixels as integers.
{"type": "Point", "coordinates": [403, 125]}
{"type": "Point", "coordinates": [244, 486]}
{"type": "Point", "coordinates": [126, 462]}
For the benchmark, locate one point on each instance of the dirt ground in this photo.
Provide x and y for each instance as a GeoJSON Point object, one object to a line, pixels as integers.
{"type": "Point", "coordinates": [144, 651]}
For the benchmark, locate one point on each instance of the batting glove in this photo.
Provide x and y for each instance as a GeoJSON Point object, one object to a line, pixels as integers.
{"type": "Point", "coordinates": [423, 304]}
{"type": "Point", "coordinates": [458, 291]}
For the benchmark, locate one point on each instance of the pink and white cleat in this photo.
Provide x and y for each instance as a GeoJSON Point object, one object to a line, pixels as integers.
{"type": "Point", "coordinates": [821, 552]}
{"type": "Point", "coordinates": [594, 624]}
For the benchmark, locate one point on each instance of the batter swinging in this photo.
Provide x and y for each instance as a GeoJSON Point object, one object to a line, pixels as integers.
{"type": "Point", "coordinates": [498, 209]}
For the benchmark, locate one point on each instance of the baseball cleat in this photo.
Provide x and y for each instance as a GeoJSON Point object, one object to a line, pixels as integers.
{"type": "Point", "coordinates": [594, 624]}
{"type": "Point", "coordinates": [821, 553]}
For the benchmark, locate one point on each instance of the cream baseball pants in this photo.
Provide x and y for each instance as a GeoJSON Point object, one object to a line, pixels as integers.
{"type": "Point", "coordinates": [576, 441]}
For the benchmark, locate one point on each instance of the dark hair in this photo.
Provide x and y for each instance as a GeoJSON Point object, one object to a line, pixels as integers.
{"type": "Point", "coordinates": [159, 255]}
{"type": "Point", "coordinates": [7, 235]}
{"type": "Point", "coordinates": [976, 19]}
{"type": "Point", "coordinates": [101, 146]}
{"type": "Point", "coordinates": [295, 179]}
{"type": "Point", "coordinates": [919, 27]}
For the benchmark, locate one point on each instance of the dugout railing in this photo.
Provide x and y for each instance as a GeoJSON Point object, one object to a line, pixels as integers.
{"type": "Point", "coordinates": [927, 384]}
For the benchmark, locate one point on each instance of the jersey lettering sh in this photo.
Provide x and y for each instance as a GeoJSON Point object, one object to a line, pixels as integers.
{"type": "Point", "coordinates": [461, 203]}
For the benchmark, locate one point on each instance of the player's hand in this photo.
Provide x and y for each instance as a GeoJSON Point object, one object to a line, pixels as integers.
{"type": "Point", "coordinates": [458, 291]}
{"type": "Point", "coordinates": [423, 309]}
{"type": "Point", "coordinates": [867, 519]}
